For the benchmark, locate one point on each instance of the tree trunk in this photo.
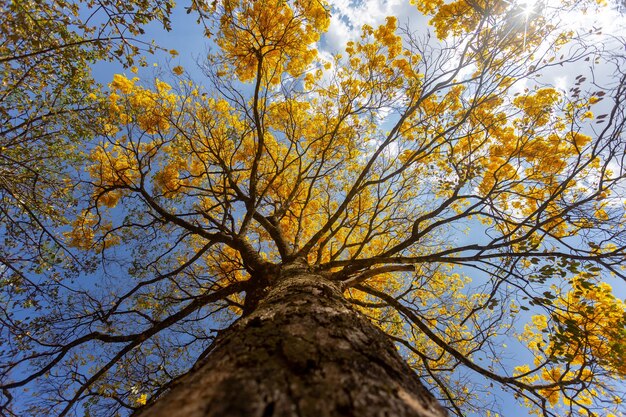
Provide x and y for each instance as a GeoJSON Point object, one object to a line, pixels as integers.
{"type": "Point", "coordinates": [302, 352]}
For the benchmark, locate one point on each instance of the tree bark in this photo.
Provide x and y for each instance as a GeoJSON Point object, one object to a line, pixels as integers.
{"type": "Point", "coordinates": [302, 352]}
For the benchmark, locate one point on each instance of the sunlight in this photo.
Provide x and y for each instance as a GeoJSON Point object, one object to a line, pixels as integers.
{"type": "Point", "coordinates": [602, 19]}
{"type": "Point", "coordinates": [528, 6]}
{"type": "Point", "coordinates": [585, 15]}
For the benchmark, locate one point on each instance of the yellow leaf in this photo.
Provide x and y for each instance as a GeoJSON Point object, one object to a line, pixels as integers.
{"type": "Point", "coordinates": [143, 398]}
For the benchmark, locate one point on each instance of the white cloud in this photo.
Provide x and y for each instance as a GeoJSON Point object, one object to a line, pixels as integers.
{"type": "Point", "coordinates": [337, 36]}
{"type": "Point", "coordinates": [349, 16]}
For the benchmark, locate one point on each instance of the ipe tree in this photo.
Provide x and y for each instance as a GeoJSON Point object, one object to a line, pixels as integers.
{"type": "Point", "coordinates": [395, 229]}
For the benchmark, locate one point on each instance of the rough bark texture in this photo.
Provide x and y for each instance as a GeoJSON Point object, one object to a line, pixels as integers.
{"type": "Point", "coordinates": [302, 352]}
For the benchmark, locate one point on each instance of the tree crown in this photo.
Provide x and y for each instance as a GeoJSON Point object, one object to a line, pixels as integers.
{"type": "Point", "coordinates": [459, 198]}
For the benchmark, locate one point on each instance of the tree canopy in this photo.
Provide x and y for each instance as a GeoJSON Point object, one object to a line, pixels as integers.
{"type": "Point", "coordinates": [468, 205]}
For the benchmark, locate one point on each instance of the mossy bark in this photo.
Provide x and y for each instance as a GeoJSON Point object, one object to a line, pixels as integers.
{"type": "Point", "coordinates": [302, 352]}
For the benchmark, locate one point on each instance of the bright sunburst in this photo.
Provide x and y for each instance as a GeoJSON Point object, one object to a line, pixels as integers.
{"type": "Point", "coordinates": [528, 7]}
{"type": "Point", "coordinates": [606, 18]}
{"type": "Point", "coordinates": [608, 15]}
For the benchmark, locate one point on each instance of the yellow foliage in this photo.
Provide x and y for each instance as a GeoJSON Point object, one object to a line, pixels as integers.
{"type": "Point", "coordinates": [150, 109]}
{"type": "Point", "coordinates": [84, 230]}
{"type": "Point", "coordinates": [168, 179]}
{"type": "Point", "coordinates": [82, 234]}
{"type": "Point", "coordinates": [276, 34]}
{"type": "Point", "coordinates": [588, 327]}
{"type": "Point", "coordinates": [114, 168]}
{"type": "Point", "coordinates": [537, 107]}
{"type": "Point", "coordinates": [142, 399]}
{"type": "Point", "coordinates": [122, 84]}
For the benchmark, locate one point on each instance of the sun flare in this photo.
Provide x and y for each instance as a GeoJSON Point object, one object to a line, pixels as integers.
{"type": "Point", "coordinates": [609, 15]}
{"type": "Point", "coordinates": [528, 7]}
